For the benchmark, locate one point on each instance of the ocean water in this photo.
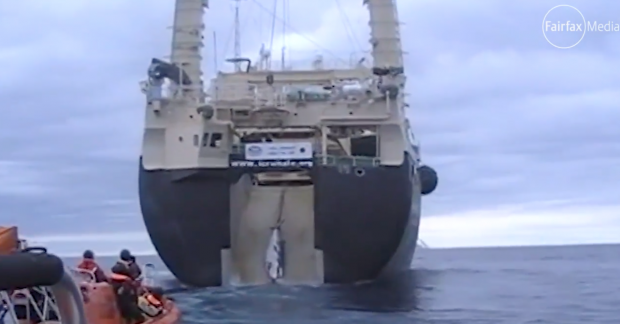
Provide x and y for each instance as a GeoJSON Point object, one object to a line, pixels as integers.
{"type": "Point", "coordinates": [547, 285]}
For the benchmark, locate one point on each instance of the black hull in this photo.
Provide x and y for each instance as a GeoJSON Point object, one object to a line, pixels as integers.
{"type": "Point", "coordinates": [366, 226]}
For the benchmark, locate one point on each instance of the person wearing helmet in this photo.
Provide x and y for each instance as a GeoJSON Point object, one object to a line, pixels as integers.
{"type": "Point", "coordinates": [125, 289]}
{"type": "Point", "coordinates": [88, 264]}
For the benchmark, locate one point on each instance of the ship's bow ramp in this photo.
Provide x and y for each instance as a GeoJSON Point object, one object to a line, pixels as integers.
{"type": "Point", "coordinates": [272, 231]}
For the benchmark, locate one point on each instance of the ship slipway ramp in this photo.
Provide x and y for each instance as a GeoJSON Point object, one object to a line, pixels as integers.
{"type": "Point", "coordinates": [273, 238]}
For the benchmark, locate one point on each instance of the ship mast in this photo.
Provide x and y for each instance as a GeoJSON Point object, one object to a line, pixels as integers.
{"type": "Point", "coordinates": [237, 37]}
{"type": "Point", "coordinates": [385, 34]}
{"type": "Point", "coordinates": [187, 42]}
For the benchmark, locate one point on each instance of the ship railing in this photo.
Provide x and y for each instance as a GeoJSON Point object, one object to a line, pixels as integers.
{"type": "Point", "coordinates": [43, 309]}
{"type": "Point", "coordinates": [314, 60]}
{"type": "Point", "coordinates": [49, 295]}
{"type": "Point", "coordinates": [231, 91]}
{"type": "Point", "coordinates": [353, 161]}
{"type": "Point", "coordinates": [238, 149]}
{"type": "Point", "coordinates": [320, 62]}
{"type": "Point", "coordinates": [81, 276]}
{"type": "Point", "coordinates": [252, 95]}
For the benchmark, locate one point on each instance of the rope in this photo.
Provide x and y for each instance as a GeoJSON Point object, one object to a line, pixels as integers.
{"type": "Point", "coordinates": [262, 7]}
{"type": "Point", "coordinates": [285, 20]}
{"type": "Point", "coordinates": [273, 27]}
{"type": "Point", "coordinates": [348, 26]}
{"type": "Point", "coordinates": [281, 210]}
{"type": "Point", "coordinates": [278, 248]}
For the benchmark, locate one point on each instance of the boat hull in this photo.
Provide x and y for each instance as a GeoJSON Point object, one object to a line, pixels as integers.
{"type": "Point", "coordinates": [366, 220]}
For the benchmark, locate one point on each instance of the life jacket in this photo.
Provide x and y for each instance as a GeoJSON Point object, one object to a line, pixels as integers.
{"type": "Point", "coordinates": [150, 305]}
{"type": "Point", "coordinates": [119, 277]}
{"type": "Point", "coordinates": [87, 264]}
{"type": "Point", "coordinates": [122, 284]}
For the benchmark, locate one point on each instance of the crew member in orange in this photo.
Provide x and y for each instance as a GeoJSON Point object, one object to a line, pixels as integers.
{"type": "Point", "coordinates": [126, 290]}
{"type": "Point", "coordinates": [88, 263]}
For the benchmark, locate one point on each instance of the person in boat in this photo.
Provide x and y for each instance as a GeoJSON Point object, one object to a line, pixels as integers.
{"type": "Point", "coordinates": [126, 290]}
{"type": "Point", "coordinates": [125, 277]}
{"type": "Point", "coordinates": [153, 295]}
{"type": "Point", "coordinates": [128, 261]}
{"type": "Point", "coordinates": [88, 263]}
{"type": "Point", "coordinates": [134, 267]}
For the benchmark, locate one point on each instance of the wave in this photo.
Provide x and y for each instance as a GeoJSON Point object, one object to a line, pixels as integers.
{"type": "Point", "coordinates": [103, 244]}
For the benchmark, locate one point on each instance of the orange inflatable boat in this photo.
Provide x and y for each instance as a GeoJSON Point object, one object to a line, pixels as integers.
{"type": "Point", "coordinates": [9, 241]}
{"type": "Point", "coordinates": [98, 299]}
{"type": "Point", "coordinates": [100, 304]}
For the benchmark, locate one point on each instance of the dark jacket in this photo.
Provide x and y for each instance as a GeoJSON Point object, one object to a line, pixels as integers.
{"type": "Point", "coordinates": [121, 268]}
{"type": "Point", "coordinates": [121, 279]}
{"type": "Point", "coordinates": [126, 292]}
{"type": "Point", "coordinates": [134, 270]}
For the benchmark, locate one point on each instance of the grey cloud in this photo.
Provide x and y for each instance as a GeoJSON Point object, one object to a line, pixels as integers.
{"type": "Point", "coordinates": [504, 117]}
{"type": "Point", "coordinates": [507, 117]}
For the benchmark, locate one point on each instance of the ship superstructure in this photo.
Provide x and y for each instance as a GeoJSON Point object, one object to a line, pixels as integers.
{"type": "Point", "coordinates": [317, 167]}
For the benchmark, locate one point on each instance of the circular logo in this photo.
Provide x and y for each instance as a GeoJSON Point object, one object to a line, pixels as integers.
{"type": "Point", "coordinates": [564, 26]}
{"type": "Point", "coordinates": [254, 150]}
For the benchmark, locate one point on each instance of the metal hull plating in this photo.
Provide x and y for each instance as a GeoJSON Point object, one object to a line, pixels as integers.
{"type": "Point", "coordinates": [365, 224]}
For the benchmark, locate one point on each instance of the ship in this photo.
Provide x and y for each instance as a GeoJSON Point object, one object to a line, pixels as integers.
{"type": "Point", "coordinates": [317, 167]}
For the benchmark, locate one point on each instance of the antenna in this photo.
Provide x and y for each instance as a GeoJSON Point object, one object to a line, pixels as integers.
{"type": "Point", "coordinates": [215, 61]}
{"type": "Point", "coordinates": [273, 31]}
{"type": "Point", "coordinates": [237, 36]}
{"type": "Point", "coordinates": [284, 18]}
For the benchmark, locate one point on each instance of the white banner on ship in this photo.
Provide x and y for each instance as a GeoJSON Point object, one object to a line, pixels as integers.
{"type": "Point", "coordinates": [278, 151]}
{"type": "Point", "coordinates": [271, 164]}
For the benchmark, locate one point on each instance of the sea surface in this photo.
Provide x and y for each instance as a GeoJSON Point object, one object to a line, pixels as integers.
{"type": "Point", "coordinates": [563, 285]}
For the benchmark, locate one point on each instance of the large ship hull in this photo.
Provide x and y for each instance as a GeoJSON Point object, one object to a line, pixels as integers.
{"type": "Point", "coordinates": [366, 225]}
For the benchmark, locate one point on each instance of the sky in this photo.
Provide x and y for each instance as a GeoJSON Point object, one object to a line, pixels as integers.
{"type": "Point", "coordinates": [523, 134]}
